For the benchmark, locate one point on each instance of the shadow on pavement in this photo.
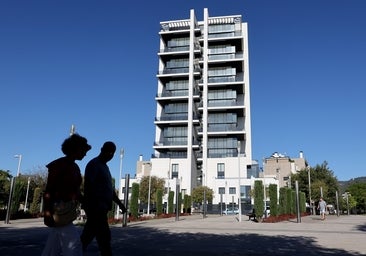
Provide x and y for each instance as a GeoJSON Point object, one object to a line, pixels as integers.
{"type": "Point", "coordinates": [24, 241]}
{"type": "Point", "coordinates": [148, 241]}
{"type": "Point", "coordinates": [361, 227]}
{"type": "Point", "coordinates": [138, 241]}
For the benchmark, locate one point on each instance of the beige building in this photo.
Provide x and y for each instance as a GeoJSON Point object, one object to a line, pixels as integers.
{"type": "Point", "coordinates": [280, 167]}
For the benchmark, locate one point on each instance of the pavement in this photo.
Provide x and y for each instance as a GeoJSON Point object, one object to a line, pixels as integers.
{"type": "Point", "coordinates": [214, 235]}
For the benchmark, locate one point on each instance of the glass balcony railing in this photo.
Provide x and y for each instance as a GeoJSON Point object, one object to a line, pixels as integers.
{"type": "Point", "coordinates": [226, 56]}
{"type": "Point", "coordinates": [182, 142]}
{"type": "Point", "coordinates": [225, 34]}
{"type": "Point", "coordinates": [172, 117]}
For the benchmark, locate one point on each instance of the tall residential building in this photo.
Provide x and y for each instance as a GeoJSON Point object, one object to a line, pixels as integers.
{"type": "Point", "coordinates": [203, 119]}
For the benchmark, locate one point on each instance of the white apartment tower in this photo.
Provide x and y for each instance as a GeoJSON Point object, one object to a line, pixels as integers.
{"type": "Point", "coordinates": [203, 122]}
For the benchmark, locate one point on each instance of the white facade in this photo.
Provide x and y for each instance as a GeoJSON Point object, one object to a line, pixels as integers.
{"type": "Point", "coordinates": [203, 106]}
{"type": "Point", "coordinates": [203, 117]}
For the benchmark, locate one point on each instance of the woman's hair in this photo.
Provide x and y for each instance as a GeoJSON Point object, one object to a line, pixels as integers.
{"type": "Point", "coordinates": [73, 143]}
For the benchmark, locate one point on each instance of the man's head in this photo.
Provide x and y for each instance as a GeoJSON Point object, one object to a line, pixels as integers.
{"type": "Point", "coordinates": [107, 151]}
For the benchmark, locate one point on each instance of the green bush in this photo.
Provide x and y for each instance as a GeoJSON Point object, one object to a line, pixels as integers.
{"type": "Point", "coordinates": [134, 204]}
{"type": "Point", "coordinates": [258, 198]}
{"type": "Point", "coordinates": [159, 201]}
{"type": "Point", "coordinates": [171, 202]}
{"type": "Point", "coordinates": [35, 206]}
{"type": "Point", "coordinates": [273, 199]}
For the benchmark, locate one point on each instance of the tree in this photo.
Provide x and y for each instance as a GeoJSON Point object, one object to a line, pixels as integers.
{"type": "Point", "coordinates": [197, 194]}
{"type": "Point", "coordinates": [302, 202]}
{"type": "Point", "coordinates": [273, 199]}
{"type": "Point", "coordinates": [348, 202]}
{"type": "Point", "coordinates": [134, 203]}
{"type": "Point", "coordinates": [38, 180]}
{"type": "Point", "coordinates": [291, 196]}
{"type": "Point", "coordinates": [159, 201]}
{"type": "Point", "coordinates": [321, 177]}
{"type": "Point", "coordinates": [5, 178]}
{"type": "Point", "coordinates": [179, 203]}
{"type": "Point", "coordinates": [358, 192]}
{"type": "Point", "coordinates": [19, 189]}
{"type": "Point", "coordinates": [318, 188]}
{"type": "Point", "coordinates": [171, 202]}
{"type": "Point", "coordinates": [187, 204]}
{"type": "Point", "coordinates": [35, 206]}
{"type": "Point", "coordinates": [156, 183]}
{"type": "Point", "coordinates": [282, 201]}
{"type": "Point", "coordinates": [258, 198]}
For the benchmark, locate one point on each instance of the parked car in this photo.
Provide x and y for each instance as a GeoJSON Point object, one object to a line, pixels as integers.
{"type": "Point", "coordinates": [331, 209]}
{"type": "Point", "coordinates": [267, 213]}
{"type": "Point", "coordinates": [230, 211]}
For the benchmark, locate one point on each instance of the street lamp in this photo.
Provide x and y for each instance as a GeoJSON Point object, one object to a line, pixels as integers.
{"type": "Point", "coordinates": [121, 154]}
{"type": "Point", "coordinates": [177, 201]}
{"type": "Point", "coordinates": [19, 162]}
{"type": "Point", "coordinates": [278, 174]}
{"type": "Point", "coordinates": [346, 196]}
{"type": "Point", "coordinates": [239, 192]}
{"type": "Point", "coordinates": [148, 198]}
{"type": "Point", "coordinates": [167, 202]}
{"type": "Point", "coordinates": [264, 197]}
{"type": "Point", "coordinates": [26, 197]}
{"type": "Point", "coordinates": [310, 202]}
{"type": "Point", "coordinates": [8, 210]}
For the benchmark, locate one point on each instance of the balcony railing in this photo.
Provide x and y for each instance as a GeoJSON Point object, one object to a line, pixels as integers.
{"type": "Point", "coordinates": [225, 34]}
{"type": "Point", "coordinates": [172, 117]}
{"type": "Point", "coordinates": [224, 79]}
{"type": "Point", "coordinates": [171, 143]}
{"type": "Point", "coordinates": [225, 56]}
{"type": "Point", "coordinates": [173, 71]}
{"type": "Point", "coordinates": [173, 93]}
{"type": "Point", "coordinates": [224, 103]}
{"type": "Point", "coordinates": [170, 155]}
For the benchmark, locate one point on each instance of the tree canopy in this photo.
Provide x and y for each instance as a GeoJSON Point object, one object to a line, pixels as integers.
{"type": "Point", "coordinates": [155, 184]}
{"type": "Point", "coordinates": [5, 178]}
{"type": "Point", "coordinates": [197, 194]}
{"type": "Point", "coordinates": [322, 180]}
{"type": "Point", "coordinates": [358, 192]}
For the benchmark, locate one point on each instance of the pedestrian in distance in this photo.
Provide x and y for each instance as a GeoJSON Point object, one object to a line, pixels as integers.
{"type": "Point", "coordinates": [322, 207]}
{"type": "Point", "coordinates": [63, 185]}
{"type": "Point", "coordinates": [99, 195]}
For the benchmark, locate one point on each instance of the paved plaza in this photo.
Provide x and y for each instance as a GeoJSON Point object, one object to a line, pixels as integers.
{"type": "Point", "coordinates": [214, 235]}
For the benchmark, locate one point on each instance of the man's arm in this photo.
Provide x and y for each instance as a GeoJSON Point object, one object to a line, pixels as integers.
{"type": "Point", "coordinates": [119, 202]}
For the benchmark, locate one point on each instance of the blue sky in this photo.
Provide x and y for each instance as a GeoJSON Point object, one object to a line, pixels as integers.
{"type": "Point", "coordinates": [93, 64]}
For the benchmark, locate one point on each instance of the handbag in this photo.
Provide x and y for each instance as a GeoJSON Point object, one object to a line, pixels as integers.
{"type": "Point", "coordinates": [64, 213]}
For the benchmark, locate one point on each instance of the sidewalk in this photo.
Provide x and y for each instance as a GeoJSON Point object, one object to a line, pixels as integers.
{"type": "Point", "coordinates": [215, 235]}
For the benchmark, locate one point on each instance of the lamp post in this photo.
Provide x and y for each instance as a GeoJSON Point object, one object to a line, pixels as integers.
{"type": "Point", "coordinates": [121, 154]}
{"type": "Point", "coordinates": [177, 201]}
{"type": "Point", "coordinates": [26, 196]}
{"type": "Point", "coordinates": [347, 194]}
{"type": "Point", "coordinates": [278, 174]}
{"type": "Point", "coordinates": [19, 162]}
{"type": "Point", "coordinates": [167, 202]}
{"type": "Point", "coordinates": [148, 198]}
{"type": "Point", "coordinates": [239, 192]}
{"type": "Point", "coordinates": [310, 202]}
{"type": "Point", "coordinates": [8, 210]}
{"type": "Point", "coordinates": [265, 197]}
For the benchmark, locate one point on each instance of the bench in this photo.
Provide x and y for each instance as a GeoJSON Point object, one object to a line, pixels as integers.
{"type": "Point", "coordinates": [251, 215]}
